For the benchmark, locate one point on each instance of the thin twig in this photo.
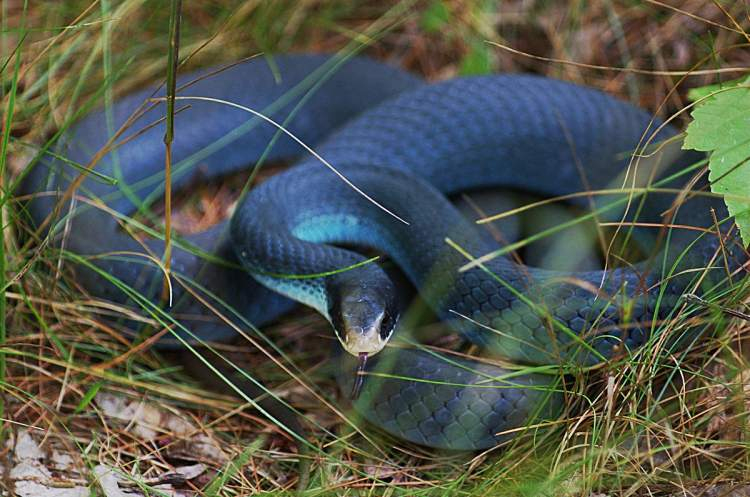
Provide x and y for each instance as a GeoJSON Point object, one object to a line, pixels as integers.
{"type": "Point", "coordinates": [312, 152]}
{"type": "Point", "coordinates": [174, 45]}
{"type": "Point", "coordinates": [693, 298]}
{"type": "Point", "coordinates": [695, 72]}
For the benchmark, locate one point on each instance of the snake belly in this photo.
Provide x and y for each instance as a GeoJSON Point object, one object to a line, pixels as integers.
{"type": "Point", "coordinates": [455, 136]}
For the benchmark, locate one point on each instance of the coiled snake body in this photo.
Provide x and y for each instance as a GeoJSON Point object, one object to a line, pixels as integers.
{"type": "Point", "coordinates": [406, 144]}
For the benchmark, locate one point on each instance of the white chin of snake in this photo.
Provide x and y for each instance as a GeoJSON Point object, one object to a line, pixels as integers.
{"type": "Point", "coordinates": [359, 343]}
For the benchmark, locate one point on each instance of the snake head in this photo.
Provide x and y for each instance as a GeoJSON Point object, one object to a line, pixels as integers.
{"type": "Point", "coordinates": [363, 311]}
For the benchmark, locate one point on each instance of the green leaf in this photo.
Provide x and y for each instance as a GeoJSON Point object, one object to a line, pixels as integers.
{"type": "Point", "coordinates": [721, 127]}
{"type": "Point", "coordinates": [695, 94]}
{"type": "Point", "coordinates": [435, 17]}
{"type": "Point", "coordinates": [477, 61]}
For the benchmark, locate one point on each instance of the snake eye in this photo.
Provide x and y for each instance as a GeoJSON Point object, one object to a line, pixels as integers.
{"type": "Point", "coordinates": [362, 316]}
{"type": "Point", "coordinates": [388, 325]}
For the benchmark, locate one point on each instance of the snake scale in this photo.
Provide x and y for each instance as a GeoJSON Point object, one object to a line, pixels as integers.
{"type": "Point", "coordinates": [407, 145]}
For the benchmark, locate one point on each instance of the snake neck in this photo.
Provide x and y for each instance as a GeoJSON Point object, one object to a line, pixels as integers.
{"type": "Point", "coordinates": [521, 313]}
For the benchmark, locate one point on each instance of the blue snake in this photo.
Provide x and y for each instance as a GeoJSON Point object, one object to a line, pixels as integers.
{"type": "Point", "coordinates": [403, 146]}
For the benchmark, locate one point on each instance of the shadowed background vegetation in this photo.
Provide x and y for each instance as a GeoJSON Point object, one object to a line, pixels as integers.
{"type": "Point", "coordinates": [60, 59]}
